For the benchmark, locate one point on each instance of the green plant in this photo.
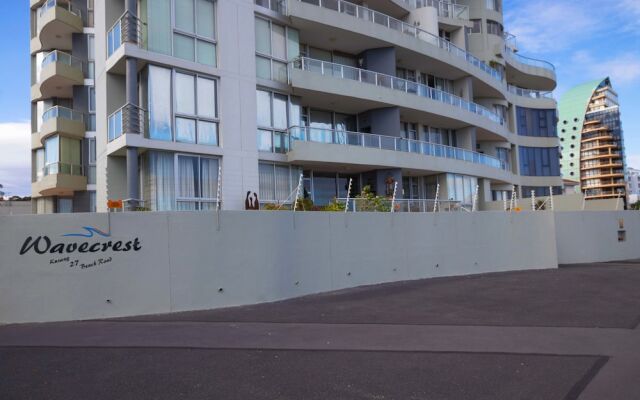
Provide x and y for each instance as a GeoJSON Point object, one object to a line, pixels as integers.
{"type": "Point", "coordinates": [369, 201]}
{"type": "Point", "coordinates": [635, 206]}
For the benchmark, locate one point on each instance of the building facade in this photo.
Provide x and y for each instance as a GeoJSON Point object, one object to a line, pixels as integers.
{"type": "Point", "coordinates": [187, 104]}
{"type": "Point", "coordinates": [591, 139]}
{"type": "Point", "coordinates": [633, 185]}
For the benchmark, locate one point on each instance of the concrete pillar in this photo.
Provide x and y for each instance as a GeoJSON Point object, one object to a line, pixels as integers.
{"type": "Point", "coordinates": [381, 60]}
{"type": "Point", "coordinates": [381, 121]}
{"type": "Point", "coordinates": [466, 138]}
{"type": "Point", "coordinates": [463, 87]}
{"type": "Point", "coordinates": [133, 184]}
{"type": "Point", "coordinates": [484, 192]}
{"type": "Point", "coordinates": [133, 189]}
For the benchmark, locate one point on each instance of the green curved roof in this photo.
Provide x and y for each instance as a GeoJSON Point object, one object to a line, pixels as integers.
{"type": "Point", "coordinates": [571, 110]}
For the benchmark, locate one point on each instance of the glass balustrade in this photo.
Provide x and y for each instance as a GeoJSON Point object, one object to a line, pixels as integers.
{"type": "Point", "coordinates": [62, 112]}
{"type": "Point", "coordinates": [510, 54]}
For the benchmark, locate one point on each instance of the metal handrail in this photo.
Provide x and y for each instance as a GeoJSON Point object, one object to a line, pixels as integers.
{"type": "Point", "coordinates": [388, 81]}
{"type": "Point", "coordinates": [394, 143]}
{"type": "Point", "coordinates": [63, 168]}
{"type": "Point", "coordinates": [61, 57]}
{"type": "Point", "coordinates": [378, 18]}
{"type": "Point", "coordinates": [534, 94]}
{"type": "Point", "coordinates": [57, 3]}
{"type": "Point", "coordinates": [357, 204]}
{"type": "Point", "coordinates": [528, 60]}
{"type": "Point", "coordinates": [62, 112]}
{"type": "Point", "coordinates": [279, 6]}
{"type": "Point", "coordinates": [127, 119]}
{"type": "Point", "coordinates": [445, 9]}
{"type": "Point", "coordinates": [127, 29]}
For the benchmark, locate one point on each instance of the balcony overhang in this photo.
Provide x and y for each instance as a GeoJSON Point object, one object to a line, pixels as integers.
{"type": "Point", "coordinates": [529, 76]}
{"type": "Point", "coordinates": [63, 127]}
{"type": "Point", "coordinates": [55, 29]}
{"type": "Point", "coordinates": [59, 185]}
{"type": "Point", "coordinates": [356, 159]}
{"type": "Point", "coordinates": [57, 80]}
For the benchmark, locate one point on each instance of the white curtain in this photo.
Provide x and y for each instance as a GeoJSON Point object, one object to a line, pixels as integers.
{"type": "Point", "coordinates": [159, 186]}
{"type": "Point", "coordinates": [209, 171]}
{"type": "Point", "coordinates": [267, 181]}
{"type": "Point", "coordinates": [282, 182]}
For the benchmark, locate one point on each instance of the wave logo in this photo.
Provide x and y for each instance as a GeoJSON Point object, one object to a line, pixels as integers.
{"type": "Point", "coordinates": [90, 231]}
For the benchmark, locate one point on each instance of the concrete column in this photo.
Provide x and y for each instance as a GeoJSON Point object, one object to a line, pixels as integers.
{"type": "Point", "coordinates": [133, 184]}
{"type": "Point", "coordinates": [463, 87]}
{"type": "Point", "coordinates": [133, 189]}
{"type": "Point", "coordinates": [484, 192]}
{"type": "Point", "coordinates": [381, 60]}
{"type": "Point", "coordinates": [381, 121]}
{"type": "Point", "coordinates": [466, 138]}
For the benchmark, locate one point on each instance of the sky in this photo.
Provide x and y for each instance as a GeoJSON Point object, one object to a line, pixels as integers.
{"type": "Point", "coordinates": [584, 39]}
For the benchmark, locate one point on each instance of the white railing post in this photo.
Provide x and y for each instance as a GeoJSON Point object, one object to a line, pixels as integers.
{"type": "Point", "coordinates": [504, 200]}
{"type": "Point", "coordinates": [551, 197]}
{"type": "Point", "coordinates": [346, 206]}
{"type": "Point", "coordinates": [512, 204]}
{"type": "Point", "coordinates": [533, 200]}
{"type": "Point", "coordinates": [393, 199]}
{"type": "Point", "coordinates": [435, 201]}
{"type": "Point", "coordinates": [295, 203]}
{"type": "Point", "coordinates": [219, 188]}
{"type": "Point", "coordinates": [474, 207]}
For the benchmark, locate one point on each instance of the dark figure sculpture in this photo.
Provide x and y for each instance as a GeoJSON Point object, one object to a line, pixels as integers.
{"type": "Point", "coordinates": [247, 202]}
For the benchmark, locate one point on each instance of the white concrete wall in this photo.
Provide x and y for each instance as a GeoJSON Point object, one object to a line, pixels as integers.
{"type": "Point", "coordinates": [591, 236]}
{"type": "Point", "coordinates": [193, 261]}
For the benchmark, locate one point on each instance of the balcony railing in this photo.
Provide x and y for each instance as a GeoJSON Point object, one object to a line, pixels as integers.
{"type": "Point", "coordinates": [375, 17]}
{"type": "Point", "coordinates": [279, 6]}
{"type": "Point", "coordinates": [62, 168]}
{"type": "Point", "coordinates": [127, 29]}
{"type": "Point", "coordinates": [58, 3]}
{"type": "Point", "coordinates": [445, 9]}
{"type": "Point", "coordinates": [393, 143]}
{"type": "Point", "coordinates": [510, 54]}
{"type": "Point", "coordinates": [509, 40]}
{"type": "Point", "coordinates": [375, 78]}
{"type": "Point", "coordinates": [58, 56]}
{"type": "Point", "coordinates": [127, 119]}
{"type": "Point", "coordinates": [62, 112]}
{"type": "Point", "coordinates": [534, 94]}
{"type": "Point", "coordinates": [402, 205]}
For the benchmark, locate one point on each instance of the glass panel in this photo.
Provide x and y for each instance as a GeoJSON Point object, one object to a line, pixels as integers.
{"type": "Point", "coordinates": [208, 133]}
{"type": "Point", "coordinates": [185, 94]}
{"type": "Point", "coordinates": [185, 130]}
{"type": "Point", "coordinates": [263, 68]}
{"type": "Point", "coordinates": [159, 100]}
{"type": "Point", "coordinates": [92, 151]}
{"type": "Point", "coordinates": [209, 178]}
{"type": "Point", "coordinates": [158, 181]}
{"type": "Point", "coordinates": [184, 47]}
{"type": "Point", "coordinates": [51, 150]}
{"type": "Point", "coordinates": [266, 180]}
{"type": "Point", "coordinates": [184, 14]}
{"type": "Point", "coordinates": [264, 141]}
{"type": "Point", "coordinates": [206, 19]}
{"type": "Point", "coordinates": [206, 97]}
{"type": "Point", "coordinates": [279, 111]}
{"type": "Point", "coordinates": [159, 26]}
{"type": "Point", "coordinates": [206, 53]}
{"type": "Point", "coordinates": [264, 108]}
{"type": "Point", "coordinates": [279, 72]}
{"type": "Point", "coordinates": [188, 183]}
{"type": "Point", "coordinates": [324, 188]}
{"type": "Point", "coordinates": [293, 44]}
{"type": "Point", "coordinates": [282, 177]}
{"type": "Point", "coordinates": [279, 43]}
{"type": "Point", "coordinates": [263, 36]}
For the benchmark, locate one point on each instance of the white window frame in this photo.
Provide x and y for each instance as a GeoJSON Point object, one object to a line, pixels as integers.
{"type": "Point", "coordinates": [197, 200]}
{"type": "Point", "coordinates": [195, 35]}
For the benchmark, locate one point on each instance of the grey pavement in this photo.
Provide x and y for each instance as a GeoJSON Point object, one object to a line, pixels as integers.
{"type": "Point", "coordinates": [570, 333]}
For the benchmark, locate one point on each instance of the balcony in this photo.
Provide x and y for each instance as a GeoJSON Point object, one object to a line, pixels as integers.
{"type": "Point", "coordinates": [127, 119]}
{"type": "Point", "coordinates": [444, 9]}
{"type": "Point", "coordinates": [344, 72]}
{"type": "Point", "coordinates": [529, 93]}
{"type": "Point", "coordinates": [529, 72]}
{"type": "Point", "coordinates": [429, 153]}
{"type": "Point", "coordinates": [59, 72]}
{"type": "Point", "coordinates": [56, 22]}
{"type": "Point", "coordinates": [59, 179]}
{"type": "Point", "coordinates": [127, 29]}
{"type": "Point", "coordinates": [59, 121]}
{"type": "Point", "coordinates": [377, 19]}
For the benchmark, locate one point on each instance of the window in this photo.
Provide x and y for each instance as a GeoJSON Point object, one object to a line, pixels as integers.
{"type": "Point", "coordinates": [91, 161]}
{"type": "Point", "coordinates": [91, 55]}
{"type": "Point", "coordinates": [278, 6]}
{"type": "Point", "coordinates": [275, 45]}
{"type": "Point", "coordinates": [90, 13]}
{"type": "Point", "coordinates": [461, 188]}
{"type": "Point", "coordinates": [477, 26]}
{"type": "Point", "coordinates": [277, 182]}
{"type": "Point", "coordinates": [92, 201]}
{"type": "Point", "coordinates": [39, 166]}
{"type": "Point", "coordinates": [493, 5]}
{"type": "Point", "coordinates": [196, 182]}
{"type": "Point", "coordinates": [91, 107]}
{"type": "Point", "coordinates": [540, 191]}
{"type": "Point", "coordinates": [195, 114]}
{"type": "Point", "coordinates": [194, 31]}
{"type": "Point", "coordinates": [494, 28]}
{"type": "Point", "coordinates": [272, 121]}
{"type": "Point", "coordinates": [535, 122]}
{"type": "Point", "coordinates": [62, 155]}
{"type": "Point", "coordinates": [539, 161]}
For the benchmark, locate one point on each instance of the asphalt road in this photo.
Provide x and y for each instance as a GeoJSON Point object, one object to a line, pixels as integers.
{"type": "Point", "coordinates": [570, 333]}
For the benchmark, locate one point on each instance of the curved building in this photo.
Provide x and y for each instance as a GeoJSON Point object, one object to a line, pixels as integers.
{"type": "Point", "coordinates": [188, 104]}
{"type": "Point", "coordinates": [592, 141]}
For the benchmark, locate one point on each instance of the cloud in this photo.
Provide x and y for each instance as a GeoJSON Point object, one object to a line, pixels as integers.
{"type": "Point", "coordinates": [549, 25]}
{"type": "Point", "coordinates": [15, 157]}
{"type": "Point", "coordinates": [622, 69]}
{"type": "Point", "coordinates": [633, 160]}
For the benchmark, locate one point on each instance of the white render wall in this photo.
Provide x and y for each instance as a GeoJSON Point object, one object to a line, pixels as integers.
{"type": "Point", "coordinates": [193, 260]}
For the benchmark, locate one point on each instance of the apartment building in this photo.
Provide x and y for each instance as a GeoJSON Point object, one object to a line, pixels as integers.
{"type": "Point", "coordinates": [195, 104]}
{"type": "Point", "coordinates": [592, 141]}
{"type": "Point", "coordinates": [633, 185]}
